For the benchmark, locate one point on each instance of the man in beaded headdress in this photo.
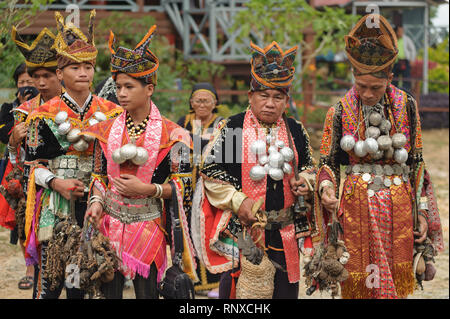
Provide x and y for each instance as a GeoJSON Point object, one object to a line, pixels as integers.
{"type": "Point", "coordinates": [59, 161]}
{"type": "Point", "coordinates": [40, 60]}
{"type": "Point", "coordinates": [387, 207]}
{"type": "Point", "coordinates": [138, 155]}
{"type": "Point", "coordinates": [235, 184]}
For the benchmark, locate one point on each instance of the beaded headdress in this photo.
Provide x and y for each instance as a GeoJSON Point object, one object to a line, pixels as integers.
{"type": "Point", "coordinates": [138, 63]}
{"type": "Point", "coordinates": [272, 68]}
{"type": "Point", "coordinates": [72, 45]}
{"type": "Point", "coordinates": [371, 46]}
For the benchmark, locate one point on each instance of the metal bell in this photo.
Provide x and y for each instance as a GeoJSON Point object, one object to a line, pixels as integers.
{"type": "Point", "coordinates": [389, 153]}
{"type": "Point", "coordinates": [347, 142]}
{"type": "Point", "coordinates": [359, 149]}
{"type": "Point", "coordinates": [272, 149]}
{"type": "Point", "coordinates": [263, 160]}
{"type": "Point", "coordinates": [92, 121]}
{"type": "Point", "coordinates": [141, 156]}
{"type": "Point", "coordinates": [398, 140]}
{"type": "Point", "coordinates": [88, 138]}
{"type": "Point", "coordinates": [81, 145]}
{"type": "Point", "coordinates": [401, 155]}
{"type": "Point", "coordinates": [371, 145]}
{"type": "Point", "coordinates": [279, 144]}
{"type": "Point", "coordinates": [287, 168]}
{"type": "Point", "coordinates": [378, 155]}
{"type": "Point", "coordinates": [99, 116]}
{"type": "Point", "coordinates": [64, 128]}
{"type": "Point", "coordinates": [384, 142]}
{"type": "Point", "coordinates": [373, 132]}
{"type": "Point", "coordinates": [258, 147]}
{"type": "Point", "coordinates": [276, 160]}
{"type": "Point", "coordinates": [257, 173]}
{"type": "Point", "coordinates": [375, 118]}
{"type": "Point", "coordinates": [128, 151]}
{"type": "Point", "coordinates": [73, 136]}
{"type": "Point", "coordinates": [276, 174]}
{"type": "Point", "coordinates": [61, 117]}
{"type": "Point", "coordinates": [385, 126]}
{"type": "Point", "coordinates": [288, 154]}
{"type": "Point", "coordinates": [117, 158]}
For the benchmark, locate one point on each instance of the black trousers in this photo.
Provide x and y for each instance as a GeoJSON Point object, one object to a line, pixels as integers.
{"type": "Point", "coordinates": [41, 288]}
{"type": "Point", "coordinates": [144, 288]}
{"type": "Point", "coordinates": [283, 289]}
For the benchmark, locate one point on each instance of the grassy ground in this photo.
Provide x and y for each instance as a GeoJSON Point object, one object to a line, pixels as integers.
{"type": "Point", "coordinates": [436, 154]}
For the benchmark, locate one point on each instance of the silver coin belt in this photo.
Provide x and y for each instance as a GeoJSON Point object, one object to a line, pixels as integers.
{"type": "Point", "coordinates": [143, 209]}
{"type": "Point", "coordinates": [282, 217]}
{"type": "Point", "coordinates": [72, 166]}
{"type": "Point", "coordinates": [380, 176]}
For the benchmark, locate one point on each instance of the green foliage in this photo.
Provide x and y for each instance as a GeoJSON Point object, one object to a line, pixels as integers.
{"type": "Point", "coordinates": [173, 72]}
{"type": "Point", "coordinates": [20, 18]}
{"type": "Point", "coordinates": [284, 21]}
{"type": "Point", "coordinates": [439, 76]}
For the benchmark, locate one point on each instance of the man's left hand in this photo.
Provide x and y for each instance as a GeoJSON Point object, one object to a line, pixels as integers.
{"type": "Point", "coordinates": [130, 186]}
{"type": "Point", "coordinates": [299, 187]}
{"type": "Point", "coordinates": [423, 228]}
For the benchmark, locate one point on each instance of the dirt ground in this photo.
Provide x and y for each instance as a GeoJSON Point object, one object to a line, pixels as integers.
{"type": "Point", "coordinates": [436, 154]}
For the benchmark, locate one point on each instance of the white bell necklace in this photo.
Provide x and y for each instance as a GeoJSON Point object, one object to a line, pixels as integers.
{"type": "Point", "coordinates": [273, 158]}
{"type": "Point", "coordinates": [136, 154]}
{"type": "Point", "coordinates": [378, 144]}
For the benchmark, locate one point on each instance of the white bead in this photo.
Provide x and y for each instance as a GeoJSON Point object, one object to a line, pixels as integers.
{"type": "Point", "coordinates": [373, 132]}
{"type": "Point", "coordinates": [287, 168]}
{"type": "Point", "coordinates": [389, 153]}
{"type": "Point", "coordinates": [371, 145]}
{"type": "Point", "coordinates": [400, 155]}
{"type": "Point", "coordinates": [263, 160]}
{"type": "Point", "coordinates": [398, 140]}
{"type": "Point", "coordinates": [276, 174]}
{"type": "Point", "coordinates": [73, 136]}
{"type": "Point", "coordinates": [375, 118]}
{"type": "Point", "coordinates": [359, 149]}
{"type": "Point", "coordinates": [272, 149]}
{"type": "Point", "coordinates": [64, 128]}
{"type": "Point", "coordinates": [141, 156]}
{"type": "Point", "coordinates": [99, 116]}
{"type": "Point", "coordinates": [88, 138]}
{"type": "Point", "coordinates": [385, 126]}
{"type": "Point", "coordinates": [61, 117]}
{"type": "Point", "coordinates": [128, 151]}
{"type": "Point", "coordinates": [384, 142]}
{"type": "Point", "coordinates": [258, 147]}
{"type": "Point", "coordinates": [287, 153]}
{"type": "Point", "coordinates": [257, 173]}
{"type": "Point", "coordinates": [276, 160]}
{"type": "Point", "coordinates": [92, 121]}
{"type": "Point", "coordinates": [279, 144]}
{"type": "Point", "coordinates": [81, 145]}
{"type": "Point", "coordinates": [347, 143]}
{"type": "Point", "coordinates": [117, 158]}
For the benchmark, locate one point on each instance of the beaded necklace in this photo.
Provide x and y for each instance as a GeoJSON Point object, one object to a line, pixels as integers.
{"type": "Point", "coordinates": [134, 131]}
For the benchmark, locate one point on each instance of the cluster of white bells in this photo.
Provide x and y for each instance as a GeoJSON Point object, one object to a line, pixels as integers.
{"type": "Point", "coordinates": [275, 164]}
{"type": "Point", "coordinates": [136, 154]}
{"type": "Point", "coordinates": [80, 143]}
{"type": "Point", "coordinates": [378, 143]}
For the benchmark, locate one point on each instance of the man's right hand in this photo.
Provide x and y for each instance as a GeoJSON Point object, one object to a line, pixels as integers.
{"type": "Point", "coordinates": [18, 134]}
{"type": "Point", "coordinates": [329, 200]}
{"type": "Point", "coordinates": [94, 213]}
{"type": "Point", "coordinates": [64, 186]}
{"type": "Point", "coordinates": [245, 213]}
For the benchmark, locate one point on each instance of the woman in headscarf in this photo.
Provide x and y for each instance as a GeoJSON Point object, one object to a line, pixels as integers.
{"type": "Point", "coordinates": [201, 122]}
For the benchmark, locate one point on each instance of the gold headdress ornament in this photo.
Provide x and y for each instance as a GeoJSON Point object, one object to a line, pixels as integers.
{"type": "Point", "coordinates": [371, 46]}
{"type": "Point", "coordinates": [272, 68]}
{"type": "Point", "coordinates": [40, 53]}
{"type": "Point", "coordinates": [139, 63]}
{"type": "Point", "coordinates": [71, 45]}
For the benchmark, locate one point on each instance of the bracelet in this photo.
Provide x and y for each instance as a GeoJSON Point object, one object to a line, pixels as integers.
{"type": "Point", "coordinates": [12, 150]}
{"type": "Point", "coordinates": [325, 183]}
{"type": "Point", "coordinates": [159, 191]}
{"type": "Point", "coordinates": [96, 199]}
